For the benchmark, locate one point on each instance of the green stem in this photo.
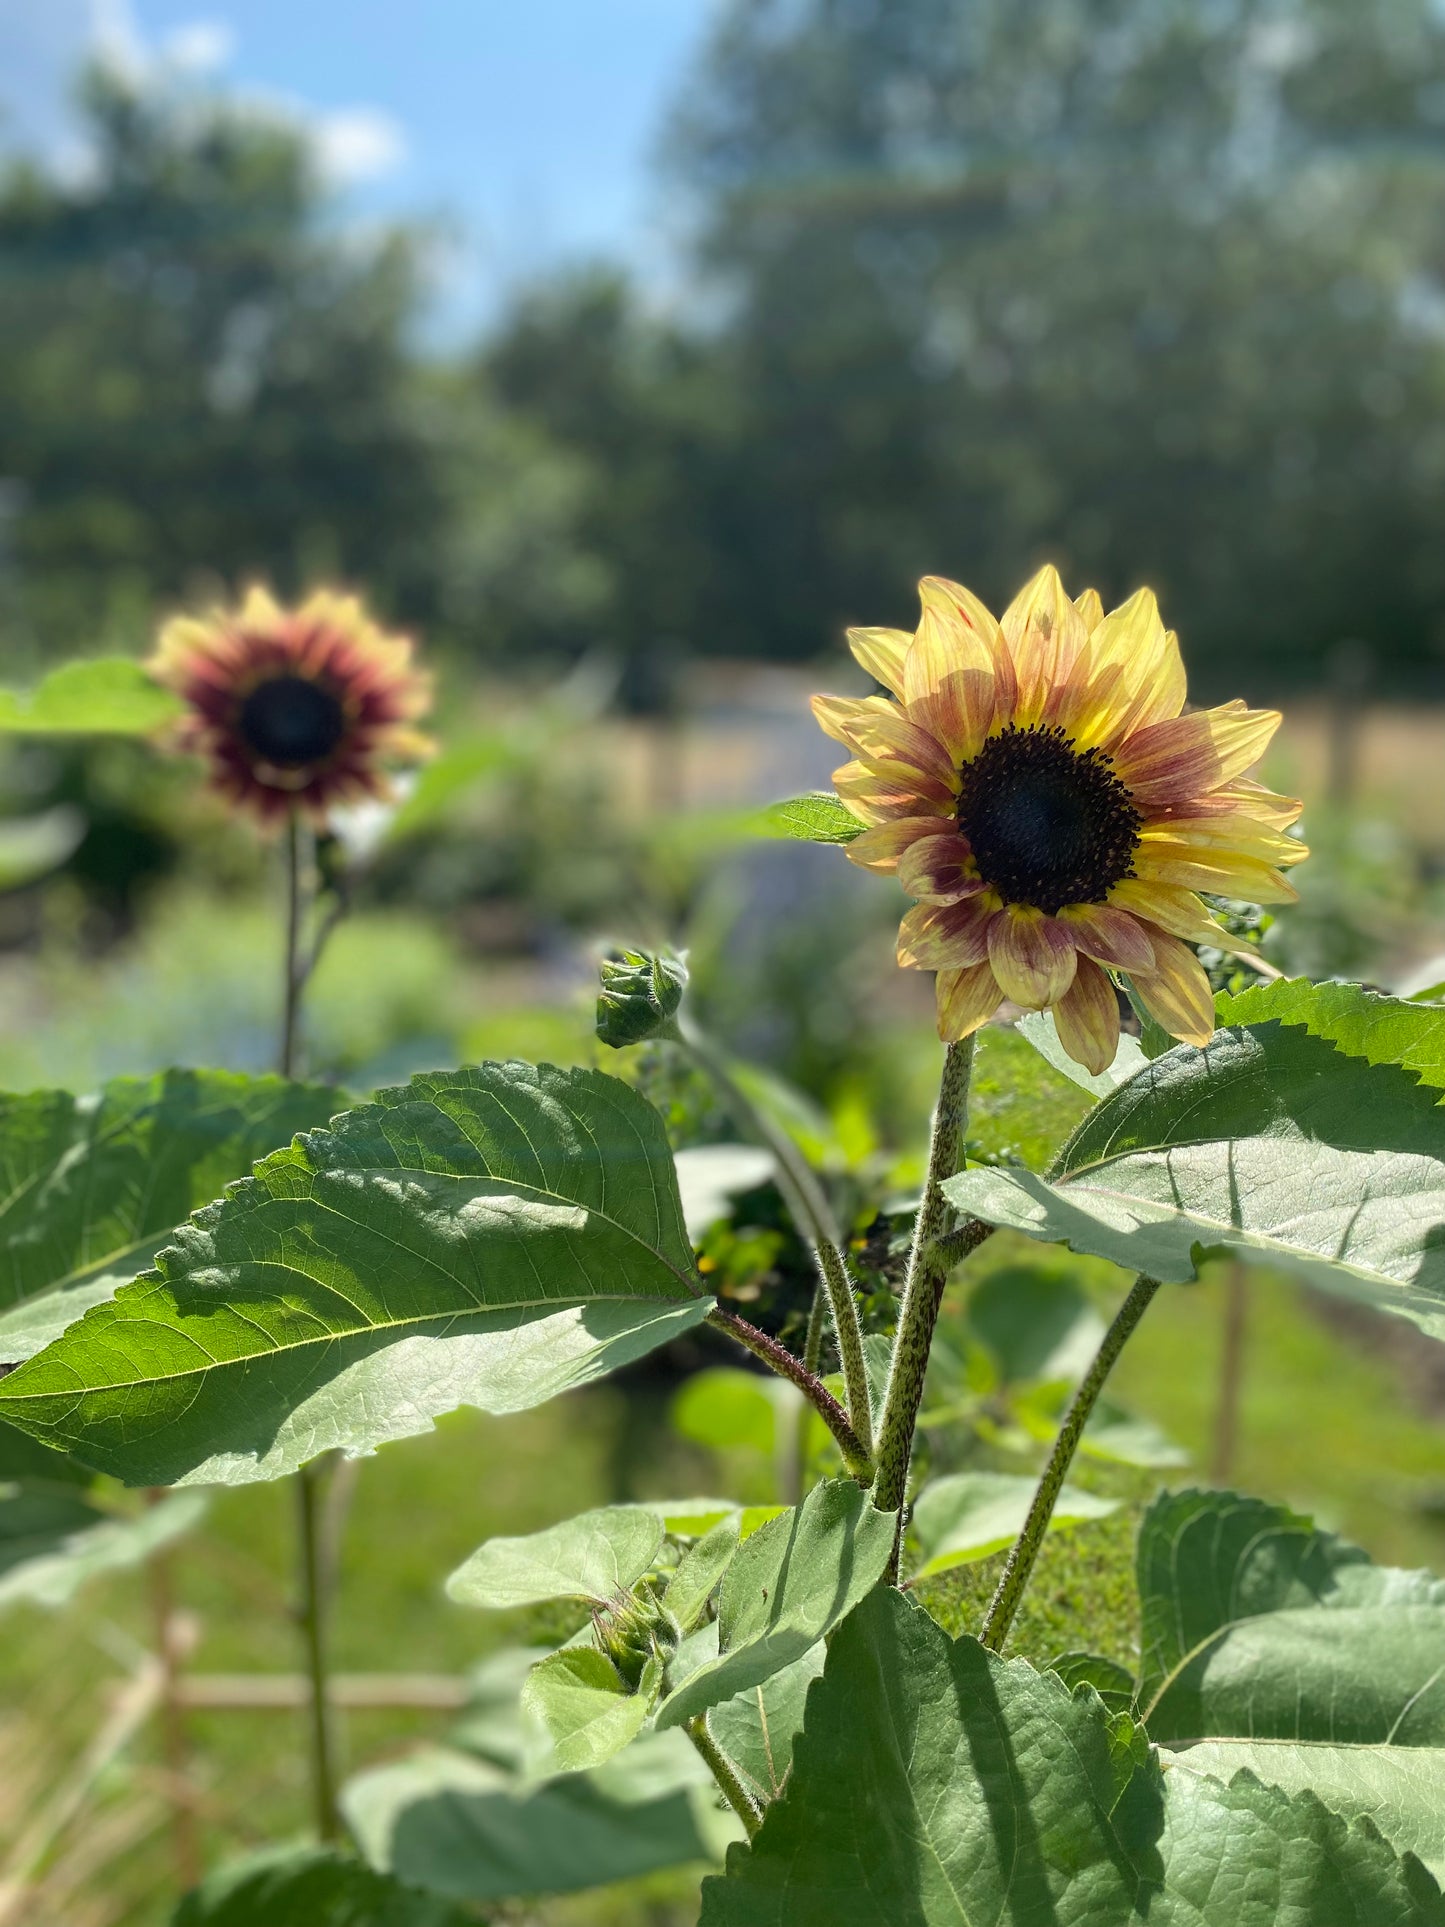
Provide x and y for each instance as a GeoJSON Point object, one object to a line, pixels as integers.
{"type": "Point", "coordinates": [813, 1217]}
{"type": "Point", "coordinates": [312, 1605]}
{"type": "Point", "coordinates": [928, 1267]}
{"type": "Point", "coordinates": [313, 1621]}
{"type": "Point", "coordinates": [292, 983]}
{"type": "Point", "coordinates": [726, 1774]}
{"type": "Point", "coordinates": [1022, 1559]}
{"type": "Point", "coordinates": [779, 1359]}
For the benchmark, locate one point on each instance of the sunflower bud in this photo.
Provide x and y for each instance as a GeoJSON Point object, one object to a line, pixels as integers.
{"type": "Point", "coordinates": [636, 1629]}
{"type": "Point", "coordinates": [640, 997]}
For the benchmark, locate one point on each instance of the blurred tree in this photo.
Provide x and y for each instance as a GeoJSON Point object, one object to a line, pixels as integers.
{"type": "Point", "coordinates": [202, 377]}
{"type": "Point", "coordinates": [1153, 286]}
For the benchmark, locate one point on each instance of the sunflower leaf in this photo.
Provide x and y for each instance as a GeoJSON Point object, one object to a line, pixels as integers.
{"type": "Point", "coordinates": [936, 1784]}
{"type": "Point", "coordinates": [309, 1887]}
{"type": "Point", "coordinates": [810, 819]}
{"type": "Point", "coordinates": [490, 1236]}
{"type": "Point", "coordinates": [1308, 1136]}
{"type": "Point", "coordinates": [107, 696]}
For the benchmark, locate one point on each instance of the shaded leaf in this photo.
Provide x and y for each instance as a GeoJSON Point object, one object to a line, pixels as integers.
{"type": "Point", "coordinates": [1397, 1787]}
{"type": "Point", "coordinates": [969, 1515]}
{"type": "Point", "coordinates": [1351, 1675]}
{"type": "Point", "coordinates": [757, 1729]}
{"type": "Point", "coordinates": [309, 1887]}
{"type": "Point", "coordinates": [52, 1540]}
{"type": "Point", "coordinates": [1112, 1682]}
{"type": "Point", "coordinates": [936, 1785]}
{"type": "Point", "coordinates": [466, 1829]}
{"type": "Point", "coordinates": [598, 1556]}
{"type": "Point", "coordinates": [793, 1581]}
{"type": "Point", "coordinates": [490, 1236]}
{"type": "Point", "coordinates": [1206, 1560]}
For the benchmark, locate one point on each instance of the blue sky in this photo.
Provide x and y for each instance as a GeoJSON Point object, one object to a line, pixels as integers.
{"type": "Point", "coordinates": [531, 122]}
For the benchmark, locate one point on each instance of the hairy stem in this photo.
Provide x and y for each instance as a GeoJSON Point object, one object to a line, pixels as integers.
{"type": "Point", "coordinates": [313, 1624]}
{"type": "Point", "coordinates": [726, 1774]}
{"type": "Point", "coordinates": [1021, 1560]}
{"type": "Point", "coordinates": [779, 1359]}
{"type": "Point", "coordinates": [813, 1218]}
{"type": "Point", "coordinates": [928, 1267]}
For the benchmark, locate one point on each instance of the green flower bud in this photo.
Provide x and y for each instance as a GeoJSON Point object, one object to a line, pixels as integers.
{"type": "Point", "coordinates": [640, 997]}
{"type": "Point", "coordinates": [635, 1629]}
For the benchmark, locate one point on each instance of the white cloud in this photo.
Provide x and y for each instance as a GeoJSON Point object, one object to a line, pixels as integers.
{"type": "Point", "coordinates": [199, 46]}
{"type": "Point", "coordinates": [115, 38]}
{"type": "Point", "coordinates": [354, 144]}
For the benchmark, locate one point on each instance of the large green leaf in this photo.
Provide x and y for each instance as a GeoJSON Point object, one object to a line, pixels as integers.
{"type": "Point", "coordinates": [1354, 1675]}
{"type": "Point", "coordinates": [490, 1236]}
{"type": "Point", "coordinates": [936, 1785]}
{"type": "Point", "coordinates": [463, 1827]}
{"type": "Point", "coordinates": [1209, 1559]}
{"type": "Point", "coordinates": [967, 1515]}
{"type": "Point", "coordinates": [787, 1586]}
{"type": "Point", "coordinates": [599, 1555]}
{"type": "Point", "coordinates": [309, 1887]}
{"type": "Point", "coordinates": [106, 696]}
{"type": "Point", "coordinates": [1319, 1151]}
{"type": "Point", "coordinates": [91, 1186]}
{"type": "Point", "coordinates": [1399, 1788]}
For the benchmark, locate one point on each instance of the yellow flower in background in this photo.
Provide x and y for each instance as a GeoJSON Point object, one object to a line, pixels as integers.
{"type": "Point", "coordinates": [304, 707]}
{"type": "Point", "coordinates": [1039, 791]}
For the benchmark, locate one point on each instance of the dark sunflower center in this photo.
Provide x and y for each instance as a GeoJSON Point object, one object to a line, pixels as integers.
{"type": "Point", "coordinates": [1048, 824]}
{"type": "Point", "coordinates": [291, 721]}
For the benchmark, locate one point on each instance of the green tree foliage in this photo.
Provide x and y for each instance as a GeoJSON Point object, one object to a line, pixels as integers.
{"type": "Point", "coordinates": [1149, 286]}
{"type": "Point", "coordinates": [203, 376]}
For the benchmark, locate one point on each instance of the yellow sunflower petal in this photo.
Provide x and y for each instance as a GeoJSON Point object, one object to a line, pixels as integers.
{"type": "Point", "coordinates": [881, 792]}
{"type": "Point", "coordinates": [948, 674]}
{"type": "Point", "coordinates": [876, 729]}
{"type": "Point", "coordinates": [1241, 834]}
{"type": "Point", "coordinates": [1264, 805]}
{"type": "Point", "coordinates": [1176, 992]}
{"type": "Point", "coordinates": [966, 1001]}
{"type": "Point", "coordinates": [882, 847]}
{"type": "Point", "coordinates": [1045, 634]}
{"type": "Point", "coordinates": [951, 937]}
{"type": "Point", "coordinates": [1087, 1018]}
{"type": "Point", "coordinates": [1166, 763]}
{"type": "Point", "coordinates": [1033, 956]}
{"type": "Point", "coordinates": [1223, 873]}
{"type": "Point", "coordinates": [1135, 674]}
{"type": "Point", "coordinates": [880, 652]}
{"type": "Point", "coordinates": [1090, 606]}
{"type": "Point", "coordinates": [939, 869]}
{"type": "Point", "coordinates": [1109, 935]}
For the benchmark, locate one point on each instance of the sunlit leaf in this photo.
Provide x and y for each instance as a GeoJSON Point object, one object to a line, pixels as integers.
{"type": "Point", "coordinates": [968, 1515]}
{"type": "Point", "coordinates": [810, 819]}
{"type": "Point", "coordinates": [490, 1237]}
{"type": "Point", "coordinates": [586, 1709]}
{"type": "Point", "coordinates": [1310, 1139]}
{"type": "Point", "coordinates": [107, 696]}
{"type": "Point", "coordinates": [598, 1556]}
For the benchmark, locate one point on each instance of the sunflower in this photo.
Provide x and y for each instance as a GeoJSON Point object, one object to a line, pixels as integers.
{"type": "Point", "coordinates": [1040, 793]}
{"type": "Point", "coordinates": [300, 707]}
